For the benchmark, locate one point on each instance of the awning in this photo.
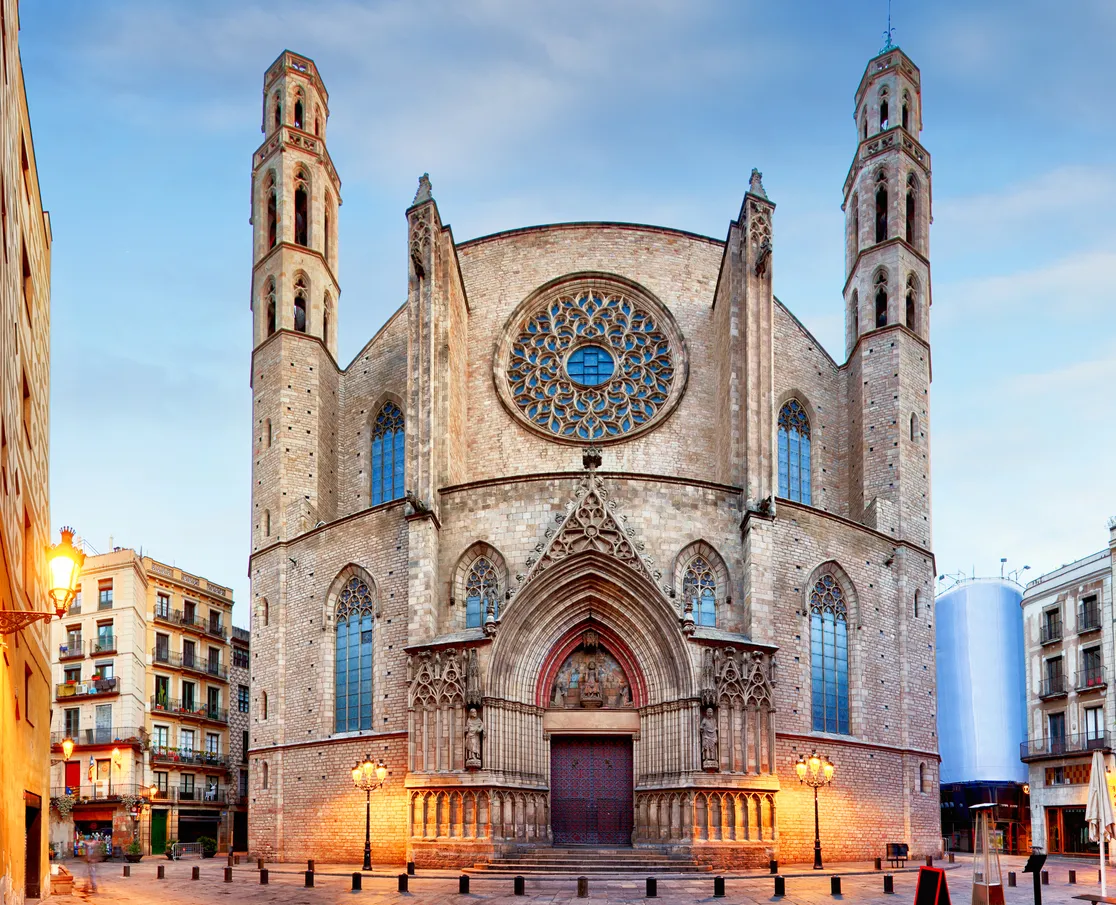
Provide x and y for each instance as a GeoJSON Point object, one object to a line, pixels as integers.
{"type": "Point", "coordinates": [85, 815]}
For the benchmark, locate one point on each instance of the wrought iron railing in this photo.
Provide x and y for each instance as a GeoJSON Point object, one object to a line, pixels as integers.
{"type": "Point", "coordinates": [1088, 618]}
{"type": "Point", "coordinates": [1092, 678]}
{"type": "Point", "coordinates": [71, 650]}
{"type": "Point", "coordinates": [188, 757]}
{"type": "Point", "coordinates": [1060, 745]}
{"type": "Point", "coordinates": [115, 735]}
{"type": "Point", "coordinates": [1051, 631]}
{"type": "Point", "coordinates": [190, 661]}
{"type": "Point", "coordinates": [103, 644]}
{"type": "Point", "coordinates": [1053, 685]}
{"type": "Point", "coordinates": [189, 709]}
{"type": "Point", "coordinates": [87, 689]}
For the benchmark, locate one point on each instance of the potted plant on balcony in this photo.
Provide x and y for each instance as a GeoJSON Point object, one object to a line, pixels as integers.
{"type": "Point", "coordinates": [208, 846]}
{"type": "Point", "coordinates": [133, 852]}
{"type": "Point", "coordinates": [96, 676]}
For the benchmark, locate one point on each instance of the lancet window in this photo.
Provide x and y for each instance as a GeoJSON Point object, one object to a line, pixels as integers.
{"type": "Point", "coordinates": [269, 306]}
{"type": "Point", "coordinates": [794, 453]}
{"type": "Point", "coordinates": [354, 655]}
{"type": "Point", "coordinates": [829, 656]}
{"type": "Point", "coordinates": [387, 454]}
{"type": "Point", "coordinates": [302, 209]}
{"type": "Point", "coordinates": [881, 206]}
{"type": "Point", "coordinates": [699, 588]}
{"type": "Point", "coordinates": [481, 591]}
{"type": "Point", "coordinates": [300, 304]}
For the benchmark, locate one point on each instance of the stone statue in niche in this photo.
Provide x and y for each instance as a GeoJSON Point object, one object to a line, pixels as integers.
{"type": "Point", "coordinates": [474, 730]}
{"type": "Point", "coordinates": [591, 678]}
{"type": "Point", "coordinates": [709, 759]}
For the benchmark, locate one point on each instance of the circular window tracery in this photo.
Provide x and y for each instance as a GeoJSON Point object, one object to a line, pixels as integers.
{"type": "Point", "coordinates": [591, 361]}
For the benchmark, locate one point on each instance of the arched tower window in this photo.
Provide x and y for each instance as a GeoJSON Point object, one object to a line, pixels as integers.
{"type": "Point", "coordinates": [302, 209]}
{"type": "Point", "coordinates": [267, 523]}
{"type": "Point", "coordinates": [278, 121]}
{"type": "Point", "coordinates": [328, 222]}
{"type": "Point", "coordinates": [481, 590]}
{"type": "Point", "coordinates": [263, 705]}
{"type": "Point", "coordinates": [387, 454]}
{"type": "Point", "coordinates": [912, 306]}
{"type": "Point", "coordinates": [272, 211]}
{"type": "Point", "coordinates": [265, 612]}
{"type": "Point", "coordinates": [269, 306]}
{"type": "Point", "coordinates": [327, 311]}
{"type": "Point", "coordinates": [856, 314]}
{"type": "Point", "coordinates": [881, 299]}
{"type": "Point", "coordinates": [829, 657]}
{"type": "Point", "coordinates": [864, 123]}
{"type": "Point", "coordinates": [298, 110]}
{"type": "Point", "coordinates": [917, 599]}
{"type": "Point", "coordinates": [318, 121]}
{"type": "Point", "coordinates": [923, 779]}
{"type": "Point", "coordinates": [267, 432]}
{"type": "Point", "coordinates": [914, 439]}
{"type": "Point", "coordinates": [699, 588]}
{"type": "Point", "coordinates": [856, 223]}
{"type": "Point", "coordinates": [881, 206]}
{"type": "Point", "coordinates": [794, 453]}
{"type": "Point", "coordinates": [300, 304]}
{"type": "Point", "coordinates": [906, 111]}
{"type": "Point", "coordinates": [264, 779]}
{"type": "Point", "coordinates": [883, 109]}
{"type": "Point", "coordinates": [912, 194]}
{"type": "Point", "coordinates": [355, 617]}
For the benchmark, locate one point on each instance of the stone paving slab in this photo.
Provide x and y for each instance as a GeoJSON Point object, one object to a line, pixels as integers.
{"type": "Point", "coordinates": [332, 885]}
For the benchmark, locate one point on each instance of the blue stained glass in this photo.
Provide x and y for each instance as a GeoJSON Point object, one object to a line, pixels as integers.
{"type": "Point", "coordinates": [794, 453]}
{"type": "Point", "coordinates": [699, 586]}
{"type": "Point", "coordinates": [590, 365]}
{"type": "Point", "coordinates": [481, 589]}
{"type": "Point", "coordinates": [829, 659]}
{"type": "Point", "coordinates": [388, 448]}
{"type": "Point", "coordinates": [354, 657]}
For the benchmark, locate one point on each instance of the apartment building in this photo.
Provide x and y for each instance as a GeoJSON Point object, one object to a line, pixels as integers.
{"type": "Point", "coordinates": [142, 688]}
{"type": "Point", "coordinates": [1071, 702]}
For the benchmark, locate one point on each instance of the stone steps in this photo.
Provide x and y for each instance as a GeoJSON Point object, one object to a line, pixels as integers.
{"type": "Point", "coordinates": [574, 862]}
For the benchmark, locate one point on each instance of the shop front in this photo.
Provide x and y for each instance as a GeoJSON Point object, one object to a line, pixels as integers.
{"type": "Point", "coordinates": [1067, 833]}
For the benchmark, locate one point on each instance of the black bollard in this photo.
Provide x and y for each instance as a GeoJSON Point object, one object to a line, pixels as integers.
{"type": "Point", "coordinates": [309, 879]}
{"type": "Point", "coordinates": [583, 887]}
{"type": "Point", "coordinates": [929, 860]}
{"type": "Point", "coordinates": [411, 868]}
{"type": "Point", "coordinates": [263, 876]}
{"type": "Point", "coordinates": [230, 859]}
{"type": "Point", "coordinates": [310, 864]}
{"type": "Point", "coordinates": [236, 860]}
{"type": "Point", "coordinates": [1073, 876]}
{"type": "Point", "coordinates": [773, 866]}
{"type": "Point", "coordinates": [835, 886]}
{"type": "Point", "coordinates": [127, 870]}
{"type": "Point", "coordinates": [889, 885]}
{"type": "Point", "coordinates": [951, 859]}
{"type": "Point", "coordinates": [228, 875]}
{"type": "Point", "coordinates": [1011, 878]}
{"type": "Point", "coordinates": [196, 874]}
{"type": "Point", "coordinates": [357, 879]}
{"type": "Point", "coordinates": [402, 882]}
{"type": "Point", "coordinates": [1046, 878]}
{"type": "Point", "coordinates": [517, 886]}
{"type": "Point", "coordinates": [879, 864]}
{"type": "Point", "coordinates": [780, 886]}
{"type": "Point", "coordinates": [463, 884]}
{"type": "Point", "coordinates": [160, 873]}
{"type": "Point", "coordinates": [652, 888]}
{"type": "Point", "coordinates": [718, 887]}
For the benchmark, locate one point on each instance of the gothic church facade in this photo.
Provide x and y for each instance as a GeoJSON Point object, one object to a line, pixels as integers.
{"type": "Point", "coordinates": [593, 540]}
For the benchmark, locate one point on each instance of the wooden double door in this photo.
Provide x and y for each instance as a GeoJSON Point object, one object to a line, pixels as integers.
{"type": "Point", "coordinates": [591, 790]}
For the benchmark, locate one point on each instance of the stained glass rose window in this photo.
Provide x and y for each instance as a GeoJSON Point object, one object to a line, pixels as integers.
{"type": "Point", "coordinates": [591, 361]}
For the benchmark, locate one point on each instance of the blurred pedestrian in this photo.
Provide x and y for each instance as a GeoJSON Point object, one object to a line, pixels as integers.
{"type": "Point", "coordinates": [94, 851]}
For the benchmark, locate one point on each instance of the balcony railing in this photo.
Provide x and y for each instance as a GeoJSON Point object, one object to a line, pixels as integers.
{"type": "Point", "coordinates": [1059, 746]}
{"type": "Point", "coordinates": [1051, 631]}
{"type": "Point", "coordinates": [189, 709]}
{"type": "Point", "coordinates": [203, 793]}
{"type": "Point", "coordinates": [192, 621]}
{"type": "Point", "coordinates": [1092, 678]}
{"type": "Point", "coordinates": [189, 757]}
{"type": "Point", "coordinates": [89, 689]}
{"type": "Point", "coordinates": [71, 650]}
{"type": "Point", "coordinates": [1088, 619]}
{"type": "Point", "coordinates": [102, 644]}
{"type": "Point", "coordinates": [100, 790]}
{"type": "Point", "coordinates": [189, 661]}
{"type": "Point", "coordinates": [116, 735]}
{"type": "Point", "coordinates": [1053, 686]}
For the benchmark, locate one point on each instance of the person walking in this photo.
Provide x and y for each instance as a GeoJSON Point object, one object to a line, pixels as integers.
{"type": "Point", "coordinates": [93, 852]}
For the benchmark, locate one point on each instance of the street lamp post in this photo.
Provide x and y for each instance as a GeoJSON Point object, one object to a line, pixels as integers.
{"type": "Point", "coordinates": [815, 771]}
{"type": "Point", "coordinates": [367, 776]}
{"type": "Point", "coordinates": [64, 561]}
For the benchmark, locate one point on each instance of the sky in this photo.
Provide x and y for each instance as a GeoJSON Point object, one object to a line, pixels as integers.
{"type": "Point", "coordinates": [145, 114]}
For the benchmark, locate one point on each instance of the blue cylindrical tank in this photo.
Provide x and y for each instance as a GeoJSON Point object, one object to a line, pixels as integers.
{"type": "Point", "coordinates": [982, 698]}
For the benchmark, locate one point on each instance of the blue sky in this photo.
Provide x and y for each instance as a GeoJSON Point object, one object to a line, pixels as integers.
{"type": "Point", "coordinates": [145, 115]}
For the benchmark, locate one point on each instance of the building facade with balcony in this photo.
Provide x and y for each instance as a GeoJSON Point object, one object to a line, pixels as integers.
{"type": "Point", "coordinates": [1068, 637]}
{"type": "Point", "coordinates": [142, 687]}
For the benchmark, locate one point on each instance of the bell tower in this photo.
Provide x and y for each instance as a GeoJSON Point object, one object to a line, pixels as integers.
{"type": "Point", "coordinates": [295, 197]}
{"type": "Point", "coordinates": [887, 302]}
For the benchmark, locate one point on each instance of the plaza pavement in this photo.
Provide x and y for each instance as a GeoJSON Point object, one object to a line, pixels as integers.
{"type": "Point", "coordinates": [332, 884]}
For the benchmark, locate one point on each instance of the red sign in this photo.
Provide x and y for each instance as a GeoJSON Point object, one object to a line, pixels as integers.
{"type": "Point", "coordinates": [931, 889]}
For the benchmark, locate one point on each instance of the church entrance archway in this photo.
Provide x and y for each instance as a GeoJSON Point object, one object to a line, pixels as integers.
{"type": "Point", "coordinates": [591, 789]}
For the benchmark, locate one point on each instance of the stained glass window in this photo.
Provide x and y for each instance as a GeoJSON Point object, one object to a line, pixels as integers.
{"type": "Point", "coordinates": [794, 453]}
{"type": "Point", "coordinates": [387, 454]}
{"type": "Point", "coordinates": [829, 657]}
{"type": "Point", "coordinates": [700, 588]}
{"type": "Point", "coordinates": [353, 688]}
{"type": "Point", "coordinates": [590, 366]}
{"type": "Point", "coordinates": [480, 587]}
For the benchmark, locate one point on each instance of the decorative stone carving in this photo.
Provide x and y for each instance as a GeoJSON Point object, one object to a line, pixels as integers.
{"type": "Point", "coordinates": [474, 690]}
{"type": "Point", "coordinates": [591, 678]}
{"type": "Point", "coordinates": [709, 757]}
{"type": "Point", "coordinates": [420, 240]}
{"type": "Point", "coordinates": [474, 730]}
{"type": "Point", "coordinates": [436, 703]}
{"type": "Point", "coordinates": [423, 194]}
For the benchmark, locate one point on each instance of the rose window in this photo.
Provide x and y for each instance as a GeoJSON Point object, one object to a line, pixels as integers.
{"type": "Point", "coordinates": [591, 363]}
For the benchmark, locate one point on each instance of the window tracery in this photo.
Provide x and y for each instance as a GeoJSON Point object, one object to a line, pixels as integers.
{"type": "Point", "coordinates": [270, 306]}
{"type": "Point", "coordinates": [302, 208]}
{"type": "Point", "coordinates": [300, 304]}
{"type": "Point", "coordinates": [355, 614]}
{"type": "Point", "coordinates": [829, 656]}
{"type": "Point", "coordinates": [794, 453]}
{"type": "Point", "coordinates": [592, 363]}
{"type": "Point", "coordinates": [699, 588]}
{"type": "Point", "coordinates": [482, 589]}
{"type": "Point", "coordinates": [387, 454]}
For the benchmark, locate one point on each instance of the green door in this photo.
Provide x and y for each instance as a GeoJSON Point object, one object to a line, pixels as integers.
{"type": "Point", "coordinates": [158, 832]}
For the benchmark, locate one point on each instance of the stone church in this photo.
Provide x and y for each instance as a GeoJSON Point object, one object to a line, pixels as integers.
{"type": "Point", "coordinates": [593, 540]}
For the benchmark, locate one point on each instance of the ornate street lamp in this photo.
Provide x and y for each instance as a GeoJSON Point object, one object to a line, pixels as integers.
{"type": "Point", "coordinates": [67, 748]}
{"type": "Point", "coordinates": [114, 763]}
{"type": "Point", "coordinates": [815, 771]}
{"type": "Point", "coordinates": [65, 562]}
{"type": "Point", "coordinates": [367, 776]}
